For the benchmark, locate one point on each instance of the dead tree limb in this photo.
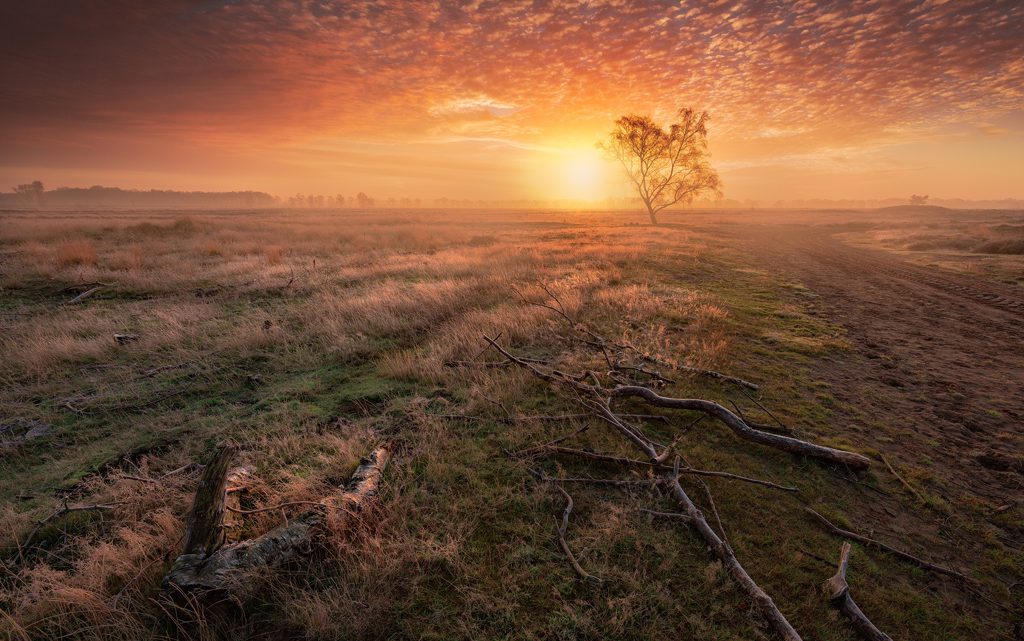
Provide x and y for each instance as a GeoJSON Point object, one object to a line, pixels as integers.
{"type": "Point", "coordinates": [598, 398]}
{"type": "Point", "coordinates": [860, 538]}
{"type": "Point", "coordinates": [717, 375]}
{"type": "Point", "coordinates": [902, 480]}
{"type": "Point", "coordinates": [562, 529]}
{"type": "Point", "coordinates": [741, 429]}
{"type": "Point", "coordinates": [86, 294]}
{"type": "Point", "coordinates": [724, 552]}
{"type": "Point", "coordinates": [838, 591]}
{"type": "Point", "coordinates": [229, 571]}
{"type": "Point", "coordinates": [62, 511]}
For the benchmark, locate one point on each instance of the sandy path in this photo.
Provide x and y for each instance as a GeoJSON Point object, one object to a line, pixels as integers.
{"type": "Point", "coordinates": [937, 359]}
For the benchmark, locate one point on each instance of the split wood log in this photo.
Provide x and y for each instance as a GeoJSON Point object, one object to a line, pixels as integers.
{"type": "Point", "coordinates": [203, 532]}
{"type": "Point", "coordinates": [229, 571]}
{"type": "Point", "coordinates": [838, 591]}
{"type": "Point", "coordinates": [740, 428]}
{"type": "Point", "coordinates": [860, 538]}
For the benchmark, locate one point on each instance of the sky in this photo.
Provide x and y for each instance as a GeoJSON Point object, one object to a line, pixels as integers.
{"type": "Point", "coordinates": [505, 99]}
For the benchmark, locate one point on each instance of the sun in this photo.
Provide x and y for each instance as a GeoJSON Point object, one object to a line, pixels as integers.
{"type": "Point", "coordinates": [583, 173]}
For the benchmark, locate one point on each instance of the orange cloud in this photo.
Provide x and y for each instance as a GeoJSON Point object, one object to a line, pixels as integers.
{"type": "Point", "coordinates": [285, 95]}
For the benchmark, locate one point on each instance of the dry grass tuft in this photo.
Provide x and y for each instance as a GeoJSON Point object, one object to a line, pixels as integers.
{"type": "Point", "coordinates": [75, 252]}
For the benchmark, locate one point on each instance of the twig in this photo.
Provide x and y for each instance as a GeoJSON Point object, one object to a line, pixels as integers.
{"type": "Point", "coordinates": [63, 511]}
{"type": "Point", "coordinates": [562, 529]}
{"type": "Point", "coordinates": [902, 480]}
{"type": "Point", "coordinates": [765, 410]}
{"type": "Point", "coordinates": [560, 439]}
{"type": "Point", "coordinates": [684, 470]}
{"type": "Point", "coordinates": [921, 563]}
{"type": "Point", "coordinates": [671, 515]}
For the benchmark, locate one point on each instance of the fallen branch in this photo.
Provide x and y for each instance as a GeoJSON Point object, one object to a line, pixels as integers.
{"type": "Point", "coordinates": [838, 591]}
{"type": "Point", "coordinates": [860, 538]}
{"type": "Point", "coordinates": [717, 375]}
{"type": "Point", "coordinates": [741, 429]}
{"type": "Point", "coordinates": [724, 552]}
{"type": "Point", "coordinates": [86, 294]}
{"type": "Point", "coordinates": [205, 569]}
{"type": "Point", "coordinates": [734, 422]}
{"type": "Point", "coordinates": [562, 529]}
{"type": "Point", "coordinates": [144, 479]}
{"type": "Point", "coordinates": [62, 511]}
{"type": "Point", "coordinates": [593, 397]}
{"type": "Point", "coordinates": [902, 480]}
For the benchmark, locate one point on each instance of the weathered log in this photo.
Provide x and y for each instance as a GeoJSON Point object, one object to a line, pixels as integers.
{"type": "Point", "coordinates": [838, 591]}
{"type": "Point", "coordinates": [203, 532]}
{"type": "Point", "coordinates": [229, 572]}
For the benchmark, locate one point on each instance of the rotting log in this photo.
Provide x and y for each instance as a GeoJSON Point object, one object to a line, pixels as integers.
{"type": "Point", "coordinates": [203, 532]}
{"type": "Point", "coordinates": [235, 486]}
{"type": "Point", "coordinates": [230, 571]}
{"type": "Point", "coordinates": [838, 591]}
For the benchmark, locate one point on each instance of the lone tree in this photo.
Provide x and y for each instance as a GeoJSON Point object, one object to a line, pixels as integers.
{"type": "Point", "coordinates": [918, 200]}
{"type": "Point", "coordinates": [667, 167]}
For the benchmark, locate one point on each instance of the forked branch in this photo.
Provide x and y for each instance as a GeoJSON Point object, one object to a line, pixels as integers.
{"type": "Point", "coordinates": [838, 591]}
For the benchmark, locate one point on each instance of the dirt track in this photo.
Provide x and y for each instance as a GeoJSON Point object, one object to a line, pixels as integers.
{"type": "Point", "coordinates": [937, 359]}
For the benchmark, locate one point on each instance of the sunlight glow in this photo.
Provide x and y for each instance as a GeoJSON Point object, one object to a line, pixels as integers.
{"type": "Point", "coordinates": [583, 173]}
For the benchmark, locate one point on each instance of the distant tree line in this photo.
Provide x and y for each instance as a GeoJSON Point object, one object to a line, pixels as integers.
{"type": "Point", "coordinates": [33, 195]}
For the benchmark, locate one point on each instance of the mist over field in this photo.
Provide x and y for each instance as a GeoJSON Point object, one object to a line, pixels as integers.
{"type": "Point", "coordinates": [514, 320]}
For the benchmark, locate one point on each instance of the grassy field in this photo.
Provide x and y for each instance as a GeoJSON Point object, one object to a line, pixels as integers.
{"type": "Point", "coordinates": [308, 338]}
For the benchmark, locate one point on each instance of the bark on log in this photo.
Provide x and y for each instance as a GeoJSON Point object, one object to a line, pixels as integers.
{"type": "Point", "coordinates": [203, 532]}
{"type": "Point", "coordinates": [235, 485]}
{"type": "Point", "coordinates": [736, 424]}
{"type": "Point", "coordinates": [838, 591]}
{"type": "Point", "coordinates": [229, 571]}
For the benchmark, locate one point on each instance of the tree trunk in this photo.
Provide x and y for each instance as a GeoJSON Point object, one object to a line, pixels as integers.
{"type": "Point", "coordinates": [653, 214]}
